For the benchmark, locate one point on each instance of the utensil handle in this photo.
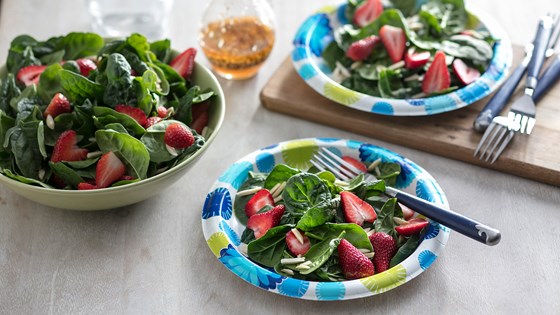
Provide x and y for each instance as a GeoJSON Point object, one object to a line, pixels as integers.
{"type": "Point", "coordinates": [500, 99]}
{"type": "Point", "coordinates": [540, 45]}
{"type": "Point", "coordinates": [548, 79]}
{"type": "Point", "coordinates": [455, 221]}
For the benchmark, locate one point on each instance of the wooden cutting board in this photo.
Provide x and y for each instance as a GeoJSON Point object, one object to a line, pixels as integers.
{"type": "Point", "coordinates": [450, 134]}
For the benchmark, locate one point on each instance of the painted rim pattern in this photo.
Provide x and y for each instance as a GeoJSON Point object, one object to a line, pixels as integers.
{"type": "Point", "coordinates": [222, 230]}
{"type": "Point", "coordinates": [316, 33]}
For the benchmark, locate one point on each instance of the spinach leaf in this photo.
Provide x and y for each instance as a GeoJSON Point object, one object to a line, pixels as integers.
{"type": "Point", "coordinates": [332, 54]}
{"type": "Point", "coordinates": [354, 233]}
{"type": "Point", "coordinates": [204, 96]}
{"type": "Point", "coordinates": [79, 45]}
{"type": "Point", "coordinates": [82, 164]}
{"type": "Point", "coordinates": [315, 216]}
{"type": "Point", "coordinates": [67, 174]}
{"type": "Point", "coordinates": [50, 82]}
{"type": "Point", "coordinates": [79, 88]}
{"type": "Point", "coordinates": [6, 122]}
{"type": "Point", "coordinates": [389, 172]}
{"type": "Point", "coordinates": [21, 54]}
{"type": "Point", "coordinates": [319, 253]}
{"type": "Point", "coordinates": [25, 148]}
{"type": "Point", "coordinates": [145, 86]}
{"type": "Point", "coordinates": [130, 151]}
{"type": "Point", "coordinates": [52, 58]}
{"type": "Point", "coordinates": [162, 50]}
{"type": "Point", "coordinates": [105, 115]}
{"type": "Point", "coordinates": [9, 91]}
{"type": "Point", "coordinates": [254, 180]}
{"type": "Point", "coordinates": [304, 191]}
{"type": "Point", "coordinates": [405, 250]}
{"type": "Point", "coordinates": [385, 222]}
{"type": "Point", "coordinates": [391, 85]}
{"type": "Point", "coordinates": [141, 46]}
{"type": "Point", "coordinates": [279, 174]}
{"type": "Point", "coordinates": [119, 89]}
{"type": "Point", "coordinates": [268, 249]}
{"type": "Point", "coordinates": [23, 179]}
{"type": "Point", "coordinates": [407, 7]}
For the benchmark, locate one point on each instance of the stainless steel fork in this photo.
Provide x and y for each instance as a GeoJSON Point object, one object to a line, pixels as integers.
{"type": "Point", "coordinates": [327, 160]}
{"type": "Point", "coordinates": [521, 117]}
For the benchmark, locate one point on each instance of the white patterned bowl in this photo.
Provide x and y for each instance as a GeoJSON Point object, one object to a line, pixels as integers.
{"type": "Point", "coordinates": [222, 229]}
{"type": "Point", "coordinates": [317, 32]}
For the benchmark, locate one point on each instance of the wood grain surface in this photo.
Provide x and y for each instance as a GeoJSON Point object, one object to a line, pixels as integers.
{"type": "Point", "coordinates": [450, 134]}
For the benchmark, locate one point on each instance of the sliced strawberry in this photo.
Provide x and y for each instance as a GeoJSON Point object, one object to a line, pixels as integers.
{"type": "Point", "coordinates": [178, 136]}
{"type": "Point", "coordinates": [86, 186]}
{"type": "Point", "coordinates": [394, 40]}
{"type": "Point", "coordinates": [413, 59]}
{"type": "Point", "coordinates": [407, 212]}
{"type": "Point", "coordinates": [184, 63]}
{"type": "Point", "coordinates": [356, 163]}
{"type": "Point", "coordinates": [152, 121]}
{"type": "Point", "coordinates": [466, 74]}
{"type": "Point", "coordinates": [86, 66]}
{"type": "Point", "coordinates": [66, 148]}
{"type": "Point", "coordinates": [361, 49]}
{"type": "Point", "coordinates": [162, 111]}
{"type": "Point", "coordinates": [355, 209]}
{"type": "Point", "coordinates": [414, 226]}
{"type": "Point", "coordinates": [30, 74]}
{"type": "Point", "coordinates": [262, 222]}
{"type": "Point", "coordinates": [437, 77]}
{"type": "Point", "coordinates": [367, 12]}
{"type": "Point", "coordinates": [384, 247]}
{"type": "Point", "coordinates": [109, 169]}
{"type": "Point", "coordinates": [200, 117]}
{"type": "Point", "coordinates": [354, 263]}
{"type": "Point", "coordinates": [133, 112]}
{"type": "Point", "coordinates": [295, 245]}
{"type": "Point", "coordinates": [58, 105]}
{"type": "Point", "coordinates": [127, 177]}
{"type": "Point", "coordinates": [258, 201]}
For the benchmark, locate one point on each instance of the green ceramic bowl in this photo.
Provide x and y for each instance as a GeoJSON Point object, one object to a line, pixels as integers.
{"type": "Point", "coordinates": [114, 197]}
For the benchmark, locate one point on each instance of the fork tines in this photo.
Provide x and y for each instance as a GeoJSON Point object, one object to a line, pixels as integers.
{"type": "Point", "coordinates": [326, 160]}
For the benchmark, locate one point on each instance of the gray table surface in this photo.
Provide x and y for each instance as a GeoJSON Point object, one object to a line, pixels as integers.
{"type": "Point", "coordinates": [152, 258]}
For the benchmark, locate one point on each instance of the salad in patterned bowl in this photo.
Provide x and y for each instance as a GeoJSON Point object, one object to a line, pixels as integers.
{"type": "Point", "coordinates": [402, 57]}
{"type": "Point", "coordinates": [286, 227]}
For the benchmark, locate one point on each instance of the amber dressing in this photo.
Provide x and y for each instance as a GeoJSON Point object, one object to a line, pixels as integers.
{"type": "Point", "coordinates": [237, 47]}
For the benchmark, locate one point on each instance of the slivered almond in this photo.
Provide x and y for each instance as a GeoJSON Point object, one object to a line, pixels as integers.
{"type": "Point", "coordinates": [369, 255]}
{"type": "Point", "coordinates": [377, 171]}
{"type": "Point", "coordinates": [94, 154]}
{"type": "Point", "coordinates": [305, 265]}
{"type": "Point", "coordinates": [288, 271]}
{"type": "Point", "coordinates": [298, 235]}
{"type": "Point", "coordinates": [279, 190]}
{"type": "Point", "coordinates": [364, 250]}
{"type": "Point", "coordinates": [50, 122]}
{"type": "Point", "coordinates": [274, 188]}
{"type": "Point", "coordinates": [367, 229]}
{"type": "Point", "coordinates": [370, 233]}
{"type": "Point", "coordinates": [291, 261]}
{"type": "Point", "coordinates": [373, 165]}
{"type": "Point", "coordinates": [248, 191]}
{"type": "Point", "coordinates": [277, 199]}
{"type": "Point", "coordinates": [399, 221]}
{"type": "Point", "coordinates": [340, 183]}
{"type": "Point", "coordinates": [171, 150]}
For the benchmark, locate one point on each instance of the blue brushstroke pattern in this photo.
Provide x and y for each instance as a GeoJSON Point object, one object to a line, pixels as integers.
{"type": "Point", "coordinates": [299, 53]}
{"type": "Point", "coordinates": [335, 150]}
{"type": "Point", "coordinates": [307, 71]}
{"type": "Point", "coordinates": [353, 144]}
{"type": "Point", "coordinates": [236, 174]}
{"type": "Point", "coordinates": [265, 162]}
{"type": "Point", "coordinates": [416, 102]}
{"type": "Point", "coordinates": [439, 104]}
{"type": "Point", "coordinates": [330, 291]}
{"type": "Point", "coordinates": [383, 108]}
{"type": "Point", "coordinates": [217, 203]}
{"type": "Point", "coordinates": [270, 147]}
{"type": "Point", "coordinates": [473, 92]}
{"type": "Point", "coordinates": [328, 140]}
{"type": "Point", "coordinates": [293, 287]}
{"type": "Point", "coordinates": [433, 230]}
{"type": "Point", "coordinates": [426, 258]}
{"type": "Point", "coordinates": [341, 14]}
{"type": "Point", "coordinates": [234, 238]}
{"type": "Point", "coordinates": [424, 190]}
{"type": "Point", "coordinates": [315, 32]}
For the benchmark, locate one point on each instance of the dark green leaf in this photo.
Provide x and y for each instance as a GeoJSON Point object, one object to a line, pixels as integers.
{"type": "Point", "coordinates": [405, 250]}
{"type": "Point", "coordinates": [66, 174]}
{"type": "Point", "coordinates": [385, 222]}
{"type": "Point", "coordinates": [354, 234]}
{"type": "Point", "coordinates": [319, 253]}
{"type": "Point", "coordinates": [80, 45]}
{"type": "Point", "coordinates": [128, 149]}
{"type": "Point", "coordinates": [268, 249]}
{"type": "Point", "coordinates": [279, 174]}
{"type": "Point", "coordinates": [79, 88]}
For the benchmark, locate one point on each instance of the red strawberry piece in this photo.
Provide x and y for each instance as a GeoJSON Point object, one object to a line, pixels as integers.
{"type": "Point", "coordinates": [258, 201]}
{"type": "Point", "coordinates": [437, 77]}
{"type": "Point", "coordinates": [66, 148]}
{"type": "Point", "coordinates": [127, 177]}
{"type": "Point", "coordinates": [295, 246]}
{"type": "Point", "coordinates": [58, 105]}
{"type": "Point", "coordinates": [361, 49]}
{"type": "Point", "coordinates": [394, 40]}
{"type": "Point", "coordinates": [86, 66]}
{"type": "Point", "coordinates": [355, 209]}
{"type": "Point", "coordinates": [152, 121]}
{"type": "Point", "coordinates": [413, 59]}
{"type": "Point", "coordinates": [414, 226]}
{"type": "Point", "coordinates": [262, 222]}
{"type": "Point", "coordinates": [384, 247]}
{"type": "Point", "coordinates": [356, 163]}
{"type": "Point", "coordinates": [109, 169]}
{"type": "Point", "coordinates": [30, 74]}
{"type": "Point", "coordinates": [466, 74]}
{"type": "Point", "coordinates": [86, 186]}
{"type": "Point", "coordinates": [133, 112]}
{"type": "Point", "coordinates": [57, 181]}
{"type": "Point", "coordinates": [184, 63]}
{"type": "Point", "coordinates": [162, 111]}
{"type": "Point", "coordinates": [407, 212]}
{"type": "Point", "coordinates": [200, 117]}
{"type": "Point", "coordinates": [367, 12]}
{"type": "Point", "coordinates": [178, 136]}
{"type": "Point", "coordinates": [354, 263]}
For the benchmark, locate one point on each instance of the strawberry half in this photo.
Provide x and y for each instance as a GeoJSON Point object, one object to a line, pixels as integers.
{"type": "Point", "coordinates": [466, 74]}
{"type": "Point", "coordinates": [200, 117]}
{"type": "Point", "coordinates": [109, 169]}
{"type": "Point", "coordinates": [295, 246]}
{"type": "Point", "coordinates": [354, 263]}
{"type": "Point", "coordinates": [361, 49]}
{"type": "Point", "coordinates": [133, 112]}
{"type": "Point", "coordinates": [437, 77]}
{"type": "Point", "coordinates": [355, 209]}
{"type": "Point", "coordinates": [258, 201]}
{"type": "Point", "coordinates": [66, 148]}
{"type": "Point", "coordinates": [414, 226]}
{"type": "Point", "coordinates": [162, 111]}
{"type": "Point", "coordinates": [407, 212]}
{"type": "Point", "coordinates": [86, 66]}
{"type": "Point", "coordinates": [58, 105]}
{"type": "Point", "coordinates": [413, 59]}
{"type": "Point", "coordinates": [394, 40]}
{"type": "Point", "coordinates": [30, 74]}
{"type": "Point", "coordinates": [184, 63]}
{"type": "Point", "coordinates": [367, 12]}
{"type": "Point", "coordinates": [152, 121]}
{"type": "Point", "coordinates": [356, 163]}
{"type": "Point", "coordinates": [385, 248]}
{"type": "Point", "coordinates": [262, 222]}
{"type": "Point", "coordinates": [178, 136]}
{"type": "Point", "coordinates": [86, 186]}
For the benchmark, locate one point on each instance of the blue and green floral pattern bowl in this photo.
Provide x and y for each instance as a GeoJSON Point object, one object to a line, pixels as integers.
{"type": "Point", "coordinates": [222, 230]}
{"type": "Point", "coordinates": [316, 33]}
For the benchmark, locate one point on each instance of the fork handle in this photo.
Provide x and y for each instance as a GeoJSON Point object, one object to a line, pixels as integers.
{"type": "Point", "coordinates": [500, 99]}
{"type": "Point", "coordinates": [540, 45]}
{"type": "Point", "coordinates": [548, 79]}
{"type": "Point", "coordinates": [453, 220]}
